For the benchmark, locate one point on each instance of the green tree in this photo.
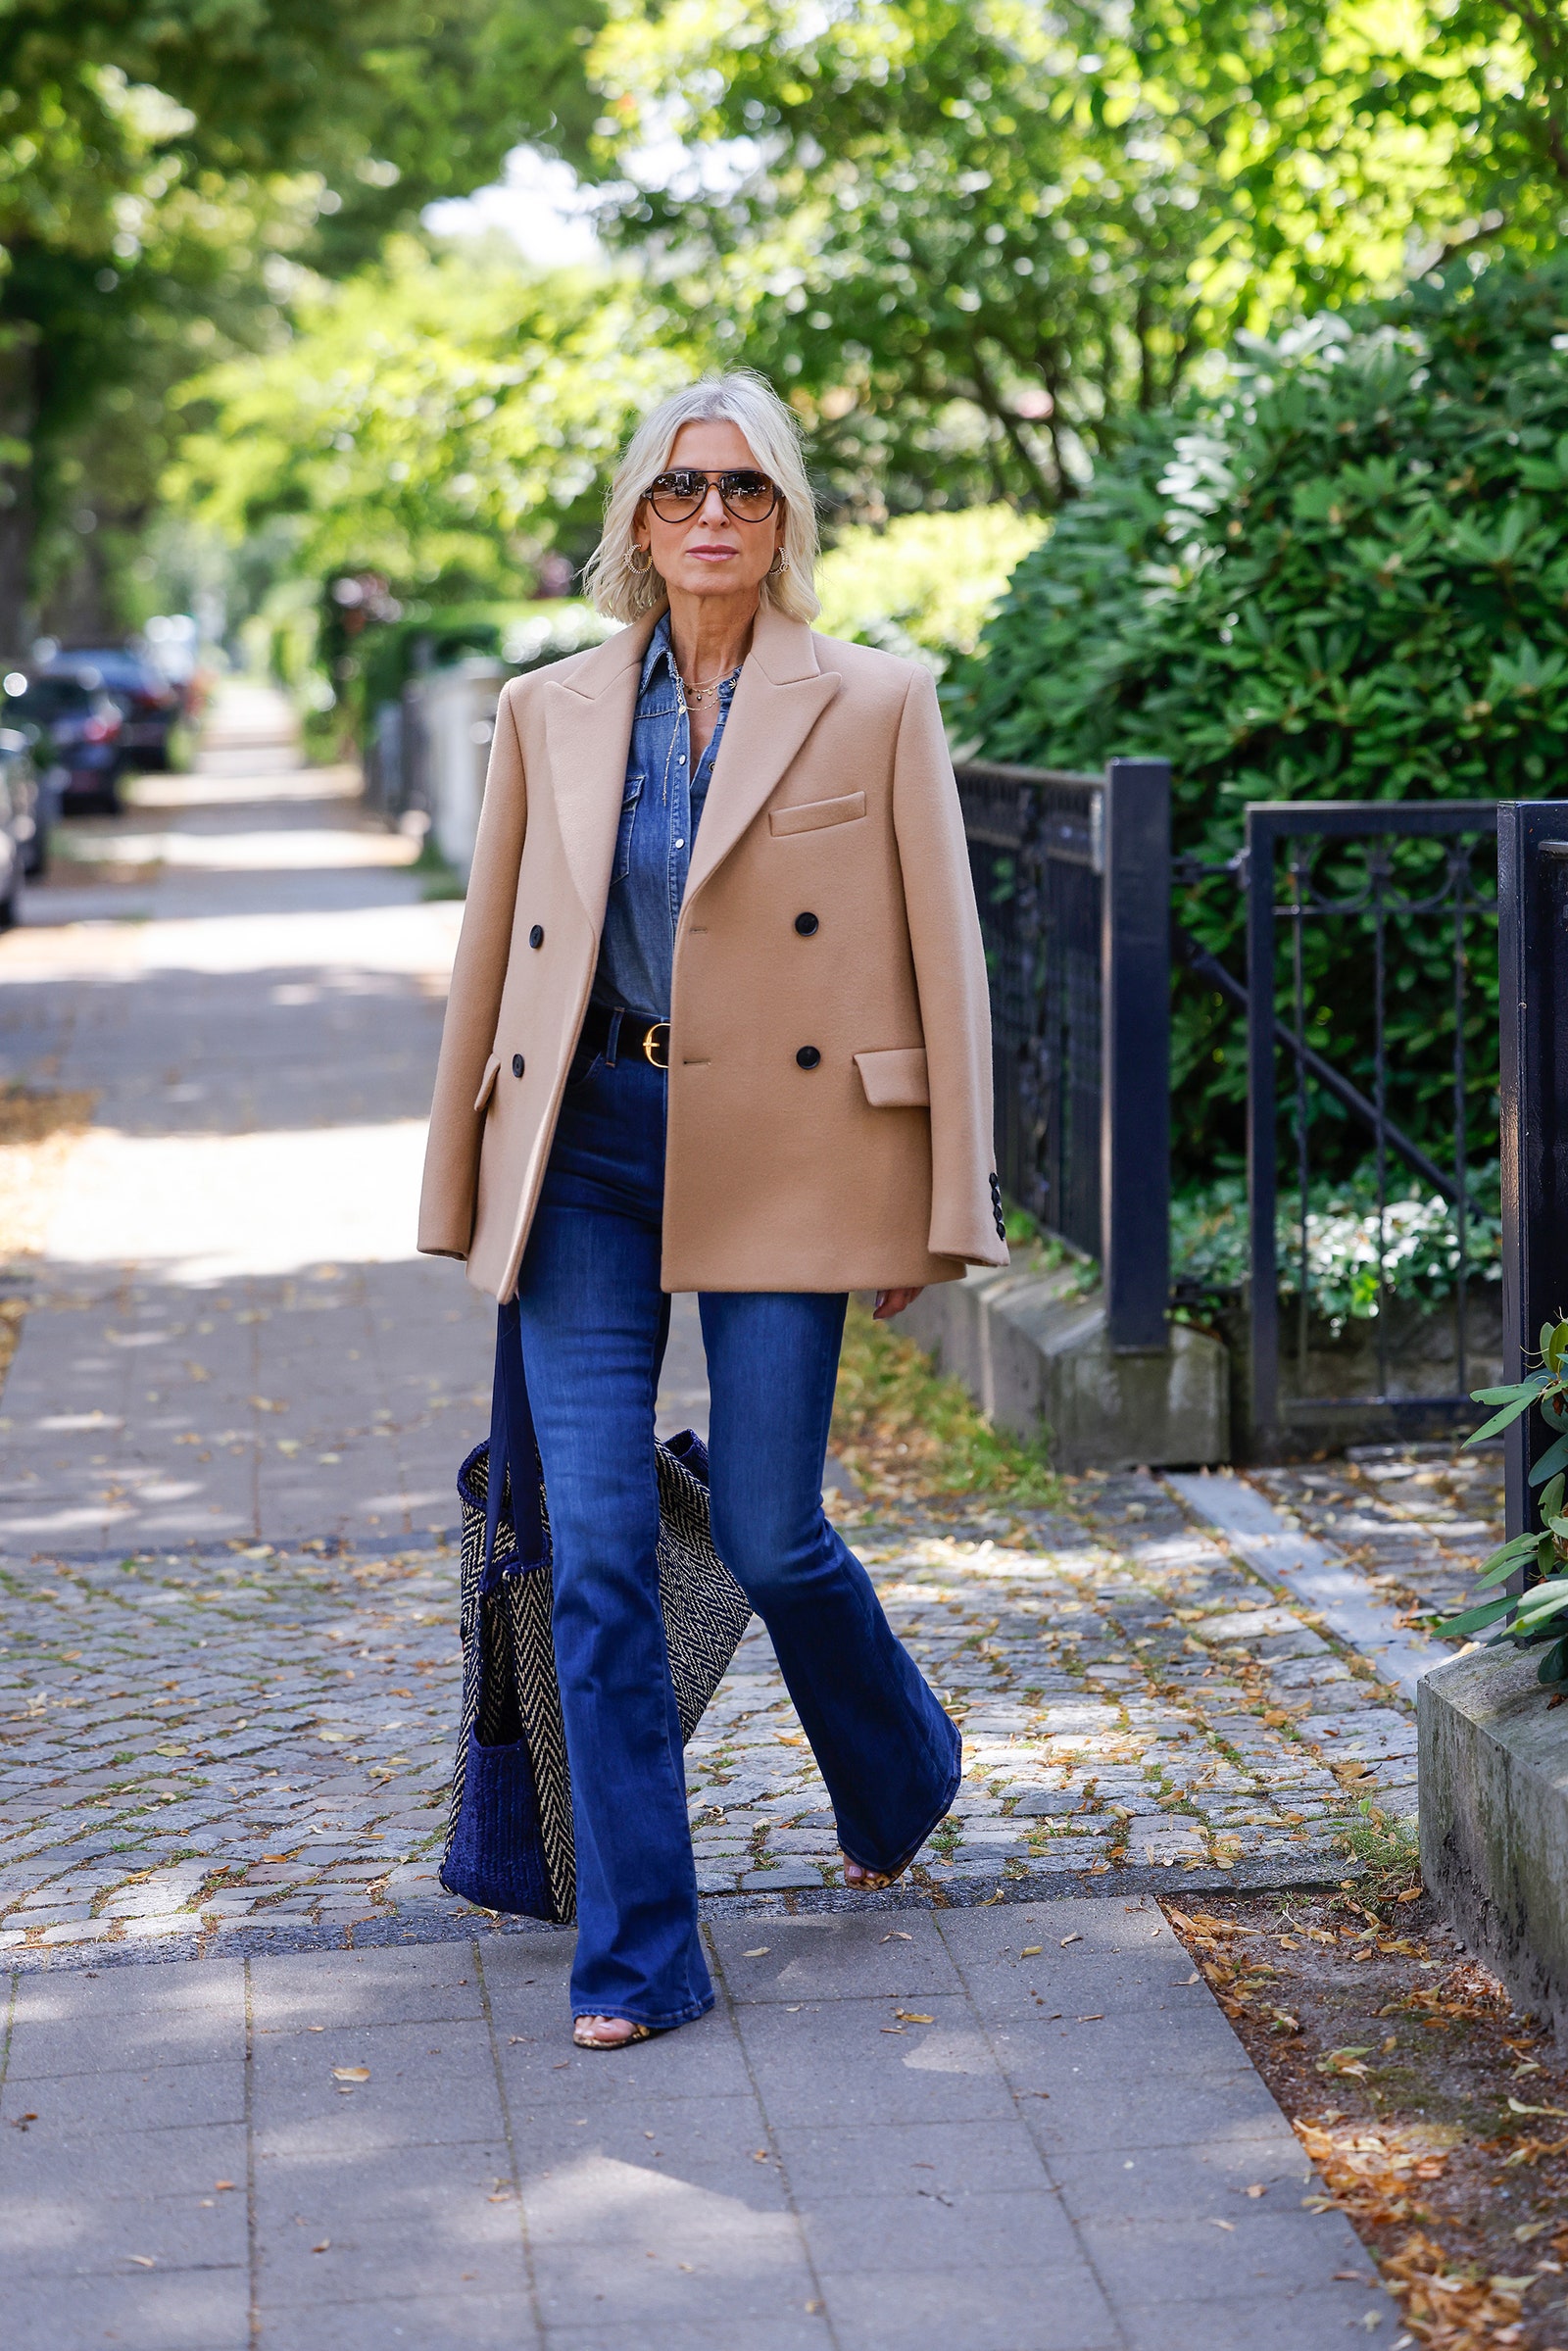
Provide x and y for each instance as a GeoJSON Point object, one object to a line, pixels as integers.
{"type": "Point", "coordinates": [439, 418]}
{"type": "Point", "coordinates": [160, 169]}
{"type": "Point", "coordinates": [975, 238]}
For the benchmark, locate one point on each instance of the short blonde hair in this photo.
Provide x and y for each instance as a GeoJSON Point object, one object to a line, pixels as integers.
{"type": "Point", "coordinates": [744, 397]}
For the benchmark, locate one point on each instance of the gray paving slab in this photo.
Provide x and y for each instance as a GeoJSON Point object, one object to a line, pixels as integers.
{"type": "Point", "coordinates": [435, 2321]}
{"type": "Point", "coordinates": [1277, 2317]}
{"type": "Point", "coordinates": [180, 2310]}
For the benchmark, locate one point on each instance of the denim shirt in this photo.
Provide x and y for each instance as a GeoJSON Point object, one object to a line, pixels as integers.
{"type": "Point", "coordinates": [661, 806]}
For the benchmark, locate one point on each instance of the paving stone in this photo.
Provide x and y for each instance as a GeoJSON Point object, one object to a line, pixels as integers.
{"type": "Point", "coordinates": [61, 2232]}
{"type": "Point", "coordinates": [1317, 2319]}
{"type": "Point", "coordinates": [434, 2321]}
{"type": "Point", "coordinates": [1013, 2309]}
{"type": "Point", "coordinates": [181, 2309]}
{"type": "Point", "coordinates": [833, 1958]}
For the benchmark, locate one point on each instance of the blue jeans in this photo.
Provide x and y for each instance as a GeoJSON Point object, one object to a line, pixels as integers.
{"type": "Point", "coordinates": [593, 1322]}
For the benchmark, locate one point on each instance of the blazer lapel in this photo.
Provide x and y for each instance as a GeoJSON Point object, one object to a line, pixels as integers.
{"type": "Point", "coordinates": [780, 697]}
{"type": "Point", "coordinates": [588, 720]}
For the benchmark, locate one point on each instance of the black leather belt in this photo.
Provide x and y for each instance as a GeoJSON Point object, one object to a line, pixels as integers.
{"type": "Point", "coordinates": [650, 1037]}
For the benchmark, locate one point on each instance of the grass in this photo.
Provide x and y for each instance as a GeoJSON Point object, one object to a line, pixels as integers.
{"type": "Point", "coordinates": [1387, 1849]}
{"type": "Point", "coordinates": [903, 1432]}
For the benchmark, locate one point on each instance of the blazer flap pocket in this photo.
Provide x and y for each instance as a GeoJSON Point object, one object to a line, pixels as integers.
{"type": "Point", "coordinates": [492, 1070]}
{"type": "Point", "coordinates": [895, 1080]}
{"type": "Point", "coordinates": [818, 813]}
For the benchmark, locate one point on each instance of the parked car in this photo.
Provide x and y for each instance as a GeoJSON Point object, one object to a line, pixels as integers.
{"type": "Point", "coordinates": [73, 732]}
{"type": "Point", "coordinates": [148, 704]}
{"type": "Point", "coordinates": [22, 828]}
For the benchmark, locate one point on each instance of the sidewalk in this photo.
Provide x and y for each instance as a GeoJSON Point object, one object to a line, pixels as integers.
{"type": "Point", "coordinates": [228, 1692]}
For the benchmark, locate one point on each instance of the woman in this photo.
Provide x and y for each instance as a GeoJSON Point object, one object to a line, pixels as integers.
{"type": "Point", "coordinates": [719, 1023]}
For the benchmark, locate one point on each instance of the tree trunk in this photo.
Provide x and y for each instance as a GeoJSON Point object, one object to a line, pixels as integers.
{"type": "Point", "coordinates": [19, 411]}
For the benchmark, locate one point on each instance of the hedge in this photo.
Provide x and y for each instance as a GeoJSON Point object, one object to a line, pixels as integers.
{"type": "Point", "coordinates": [1344, 576]}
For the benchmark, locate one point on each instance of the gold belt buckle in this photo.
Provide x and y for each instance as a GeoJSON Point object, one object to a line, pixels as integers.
{"type": "Point", "coordinates": [656, 1044]}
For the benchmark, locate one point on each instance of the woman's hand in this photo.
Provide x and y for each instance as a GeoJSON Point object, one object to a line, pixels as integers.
{"type": "Point", "coordinates": [893, 1302]}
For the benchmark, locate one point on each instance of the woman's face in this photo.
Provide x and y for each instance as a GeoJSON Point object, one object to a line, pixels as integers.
{"type": "Point", "coordinates": [712, 554]}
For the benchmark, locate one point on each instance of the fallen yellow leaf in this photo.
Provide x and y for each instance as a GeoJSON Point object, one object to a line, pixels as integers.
{"type": "Point", "coordinates": [351, 2072]}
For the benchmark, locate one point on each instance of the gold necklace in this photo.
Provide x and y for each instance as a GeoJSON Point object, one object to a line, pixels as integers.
{"type": "Point", "coordinates": [694, 697]}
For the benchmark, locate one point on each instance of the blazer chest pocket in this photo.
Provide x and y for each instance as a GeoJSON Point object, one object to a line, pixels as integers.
{"type": "Point", "coordinates": [630, 797]}
{"type": "Point", "coordinates": [897, 1079]}
{"type": "Point", "coordinates": [815, 814]}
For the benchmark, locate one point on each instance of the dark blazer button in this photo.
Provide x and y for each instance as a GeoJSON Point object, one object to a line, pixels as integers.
{"type": "Point", "coordinates": [517, 1065]}
{"type": "Point", "coordinates": [808, 1057]}
{"type": "Point", "coordinates": [536, 936]}
{"type": "Point", "coordinates": [805, 924]}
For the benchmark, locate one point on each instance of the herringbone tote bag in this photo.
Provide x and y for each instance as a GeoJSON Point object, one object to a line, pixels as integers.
{"type": "Point", "coordinates": [509, 1832]}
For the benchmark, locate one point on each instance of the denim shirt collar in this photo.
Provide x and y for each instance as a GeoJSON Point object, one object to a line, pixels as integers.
{"type": "Point", "coordinates": [659, 649]}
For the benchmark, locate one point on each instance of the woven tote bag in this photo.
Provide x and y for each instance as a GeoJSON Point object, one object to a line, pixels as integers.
{"type": "Point", "coordinates": [508, 1827]}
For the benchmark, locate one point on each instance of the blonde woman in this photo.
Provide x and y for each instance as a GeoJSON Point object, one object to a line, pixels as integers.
{"type": "Point", "coordinates": [719, 1023]}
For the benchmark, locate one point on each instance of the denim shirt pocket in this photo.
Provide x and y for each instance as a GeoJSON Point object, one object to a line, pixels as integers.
{"type": "Point", "coordinates": [631, 794]}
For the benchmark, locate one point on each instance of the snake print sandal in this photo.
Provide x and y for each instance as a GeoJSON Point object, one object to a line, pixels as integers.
{"type": "Point", "coordinates": [584, 2035]}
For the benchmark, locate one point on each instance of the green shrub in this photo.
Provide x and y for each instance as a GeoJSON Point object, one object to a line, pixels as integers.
{"type": "Point", "coordinates": [1209, 1237]}
{"type": "Point", "coordinates": [925, 584]}
{"type": "Point", "coordinates": [1344, 576]}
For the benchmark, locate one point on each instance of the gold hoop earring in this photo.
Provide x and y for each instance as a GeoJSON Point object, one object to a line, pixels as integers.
{"type": "Point", "coordinates": [643, 569]}
{"type": "Point", "coordinates": [779, 566]}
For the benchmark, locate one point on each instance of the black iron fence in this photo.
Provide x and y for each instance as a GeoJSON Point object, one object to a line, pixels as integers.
{"type": "Point", "coordinates": [1366, 927]}
{"type": "Point", "coordinates": [1072, 876]}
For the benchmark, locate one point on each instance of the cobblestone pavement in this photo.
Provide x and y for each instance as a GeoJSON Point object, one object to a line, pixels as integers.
{"type": "Point", "coordinates": [1418, 1520]}
{"type": "Point", "coordinates": [230, 1671]}
{"type": "Point", "coordinates": [257, 1741]}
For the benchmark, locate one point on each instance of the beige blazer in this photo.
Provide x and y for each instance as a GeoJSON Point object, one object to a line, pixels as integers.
{"type": "Point", "coordinates": [832, 795]}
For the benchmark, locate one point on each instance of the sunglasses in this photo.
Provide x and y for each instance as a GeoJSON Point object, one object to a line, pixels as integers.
{"type": "Point", "coordinates": [748, 496]}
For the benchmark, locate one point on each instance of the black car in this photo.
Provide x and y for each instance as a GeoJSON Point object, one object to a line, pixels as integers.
{"type": "Point", "coordinates": [74, 731]}
{"type": "Point", "coordinates": [147, 703]}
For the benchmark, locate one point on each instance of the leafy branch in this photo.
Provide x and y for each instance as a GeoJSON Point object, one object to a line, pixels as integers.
{"type": "Point", "coordinates": [1535, 1615]}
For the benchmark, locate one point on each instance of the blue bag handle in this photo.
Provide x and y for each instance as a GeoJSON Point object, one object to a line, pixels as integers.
{"type": "Point", "coordinates": [514, 1457]}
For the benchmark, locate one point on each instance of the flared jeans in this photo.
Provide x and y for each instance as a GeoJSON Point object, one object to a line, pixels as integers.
{"type": "Point", "coordinates": [593, 1323]}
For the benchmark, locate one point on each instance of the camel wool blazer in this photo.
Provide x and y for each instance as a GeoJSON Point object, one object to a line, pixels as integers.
{"type": "Point", "coordinates": [829, 1082]}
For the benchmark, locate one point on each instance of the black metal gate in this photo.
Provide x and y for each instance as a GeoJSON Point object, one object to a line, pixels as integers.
{"type": "Point", "coordinates": [1533, 988]}
{"type": "Point", "coordinates": [1341, 874]}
